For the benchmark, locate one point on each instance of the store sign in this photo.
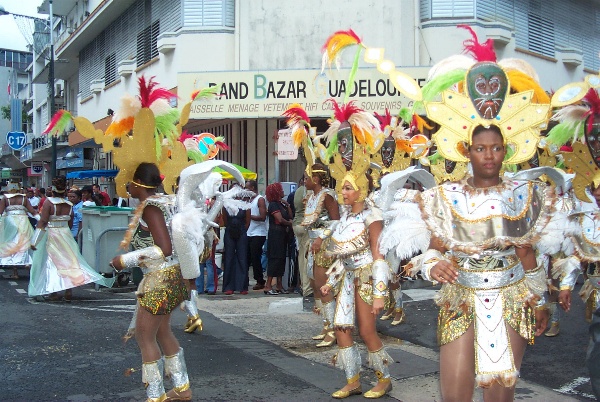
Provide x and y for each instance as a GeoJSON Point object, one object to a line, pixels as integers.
{"type": "Point", "coordinates": [286, 151]}
{"type": "Point", "coordinates": [267, 94]}
{"type": "Point", "coordinates": [68, 158]}
{"type": "Point", "coordinates": [37, 168]}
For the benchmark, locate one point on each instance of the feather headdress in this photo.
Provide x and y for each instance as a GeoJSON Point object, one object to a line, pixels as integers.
{"type": "Point", "coordinates": [59, 123]}
{"type": "Point", "coordinates": [299, 122]}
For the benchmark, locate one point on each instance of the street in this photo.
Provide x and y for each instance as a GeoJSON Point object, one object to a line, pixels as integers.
{"type": "Point", "coordinates": [252, 348]}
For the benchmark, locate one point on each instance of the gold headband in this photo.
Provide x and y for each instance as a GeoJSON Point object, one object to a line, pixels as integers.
{"type": "Point", "coordinates": [142, 185]}
{"type": "Point", "coordinates": [319, 171]}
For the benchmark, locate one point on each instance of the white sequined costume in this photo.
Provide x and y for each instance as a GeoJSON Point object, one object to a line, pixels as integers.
{"type": "Point", "coordinates": [354, 269]}
{"type": "Point", "coordinates": [479, 228]}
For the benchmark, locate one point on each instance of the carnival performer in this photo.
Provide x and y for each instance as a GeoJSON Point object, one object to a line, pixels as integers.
{"type": "Point", "coordinates": [484, 228]}
{"type": "Point", "coordinates": [579, 125]}
{"type": "Point", "coordinates": [320, 213]}
{"type": "Point", "coordinates": [162, 288]}
{"type": "Point", "coordinates": [16, 232]}
{"type": "Point", "coordinates": [57, 264]}
{"type": "Point", "coordinates": [362, 275]}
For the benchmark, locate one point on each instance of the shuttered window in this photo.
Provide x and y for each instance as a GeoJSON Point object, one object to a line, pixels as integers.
{"type": "Point", "coordinates": [431, 9]}
{"type": "Point", "coordinates": [146, 43]}
{"type": "Point", "coordinates": [110, 69]}
{"type": "Point", "coordinates": [209, 13]}
{"type": "Point", "coordinates": [120, 37]}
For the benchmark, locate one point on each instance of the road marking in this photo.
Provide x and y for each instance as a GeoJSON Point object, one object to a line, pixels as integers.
{"type": "Point", "coordinates": [22, 291]}
{"type": "Point", "coordinates": [12, 283]}
{"type": "Point", "coordinates": [419, 294]}
{"type": "Point", "coordinates": [1, 270]}
{"type": "Point", "coordinates": [569, 388]}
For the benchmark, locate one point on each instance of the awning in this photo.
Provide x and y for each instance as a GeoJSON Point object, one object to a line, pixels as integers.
{"type": "Point", "coordinates": [87, 174]}
{"type": "Point", "coordinates": [247, 174]}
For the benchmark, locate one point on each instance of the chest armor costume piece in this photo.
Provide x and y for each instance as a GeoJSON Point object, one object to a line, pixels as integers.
{"type": "Point", "coordinates": [354, 269]}
{"type": "Point", "coordinates": [316, 220]}
{"type": "Point", "coordinates": [480, 228]}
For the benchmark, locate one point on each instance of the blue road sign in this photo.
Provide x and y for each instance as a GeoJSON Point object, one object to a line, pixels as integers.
{"type": "Point", "coordinates": [16, 139]}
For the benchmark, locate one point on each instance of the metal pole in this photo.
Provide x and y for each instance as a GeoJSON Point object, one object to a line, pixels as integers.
{"type": "Point", "coordinates": [51, 83]}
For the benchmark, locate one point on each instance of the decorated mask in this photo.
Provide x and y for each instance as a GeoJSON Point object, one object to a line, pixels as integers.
{"type": "Point", "coordinates": [592, 138]}
{"type": "Point", "coordinates": [388, 150]}
{"type": "Point", "coordinates": [487, 86]}
{"type": "Point", "coordinates": [345, 144]}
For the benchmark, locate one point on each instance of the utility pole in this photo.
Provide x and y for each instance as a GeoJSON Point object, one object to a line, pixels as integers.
{"type": "Point", "coordinates": [51, 92]}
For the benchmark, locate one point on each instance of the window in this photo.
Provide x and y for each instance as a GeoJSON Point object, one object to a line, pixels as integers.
{"type": "Point", "coordinates": [210, 13]}
{"type": "Point", "coordinates": [110, 69]}
{"type": "Point", "coordinates": [146, 43]}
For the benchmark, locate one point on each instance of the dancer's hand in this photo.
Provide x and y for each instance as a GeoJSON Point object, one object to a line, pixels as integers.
{"type": "Point", "coordinates": [315, 247]}
{"type": "Point", "coordinates": [541, 321]}
{"type": "Point", "coordinates": [325, 290]}
{"type": "Point", "coordinates": [444, 272]}
{"type": "Point", "coordinates": [378, 305]}
{"type": "Point", "coordinates": [116, 263]}
{"type": "Point", "coordinates": [564, 299]}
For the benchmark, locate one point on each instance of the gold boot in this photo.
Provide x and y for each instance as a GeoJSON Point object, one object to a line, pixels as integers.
{"type": "Point", "coordinates": [321, 336]}
{"type": "Point", "coordinates": [188, 323]}
{"type": "Point", "coordinates": [195, 323]}
{"type": "Point", "coordinates": [388, 314]}
{"type": "Point", "coordinates": [326, 343]}
{"type": "Point", "coordinates": [341, 394]}
{"type": "Point", "coordinates": [554, 330]}
{"type": "Point", "coordinates": [370, 394]}
{"type": "Point", "coordinates": [398, 316]}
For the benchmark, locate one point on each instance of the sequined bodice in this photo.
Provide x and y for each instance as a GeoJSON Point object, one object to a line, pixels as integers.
{"type": "Point", "coordinates": [143, 238]}
{"type": "Point", "coordinates": [472, 219]}
{"type": "Point", "coordinates": [315, 213]}
{"type": "Point", "coordinates": [350, 236]}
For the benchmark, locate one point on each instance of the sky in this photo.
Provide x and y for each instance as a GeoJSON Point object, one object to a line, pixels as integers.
{"type": "Point", "coordinates": [10, 36]}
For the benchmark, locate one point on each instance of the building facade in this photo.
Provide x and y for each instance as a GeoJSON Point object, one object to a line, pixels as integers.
{"type": "Point", "coordinates": [265, 55]}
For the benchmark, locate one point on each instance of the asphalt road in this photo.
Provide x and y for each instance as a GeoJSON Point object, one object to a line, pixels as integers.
{"type": "Point", "coordinates": [73, 351]}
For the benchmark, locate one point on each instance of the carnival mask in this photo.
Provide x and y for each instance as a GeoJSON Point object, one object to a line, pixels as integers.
{"type": "Point", "coordinates": [487, 86]}
{"type": "Point", "coordinates": [592, 138]}
{"type": "Point", "coordinates": [388, 150]}
{"type": "Point", "coordinates": [345, 144]}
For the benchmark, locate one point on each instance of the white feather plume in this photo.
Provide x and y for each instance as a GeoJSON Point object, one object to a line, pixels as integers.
{"type": "Point", "coordinates": [130, 107]}
{"type": "Point", "coordinates": [510, 63]}
{"type": "Point", "coordinates": [456, 62]}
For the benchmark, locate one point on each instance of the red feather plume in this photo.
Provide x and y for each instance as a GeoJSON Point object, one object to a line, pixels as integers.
{"type": "Point", "coordinates": [222, 146]}
{"type": "Point", "coordinates": [384, 120]}
{"type": "Point", "coordinates": [184, 136]}
{"type": "Point", "coordinates": [341, 38]}
{"type": "Point", "coordinates": [343, 112]}
{"type": "Point", "coordinates": [480, 51]}
{"type": "Point", "coordinates": [592, 99]}
{"type": "Point", "coordinates": [148, 92]}
{"type": "Point", "coordinates": [296, 114]}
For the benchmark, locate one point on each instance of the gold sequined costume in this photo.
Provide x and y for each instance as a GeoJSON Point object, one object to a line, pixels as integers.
{"type": "Point", "coordinates": [162, 288]}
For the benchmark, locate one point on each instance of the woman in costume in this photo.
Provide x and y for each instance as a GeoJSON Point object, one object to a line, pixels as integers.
{"type": "Point", "coordinates": [57, 264]}
{"type": "Point", "coordinates": [361, 274]}
{"type": "Point", "coordinates": [483, 228]}
{"type": "Point", "coordinates": [320, 213]}
{"type": "Point", "coordinates": [161, 290]}
{"type": "Point", "coordinates": [16, 233]}
{"type": "Point", "coordinates": [280, 226]}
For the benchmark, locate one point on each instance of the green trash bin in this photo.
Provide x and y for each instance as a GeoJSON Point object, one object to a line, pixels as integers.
{"type": "Point", "coordinates": [102, 231]}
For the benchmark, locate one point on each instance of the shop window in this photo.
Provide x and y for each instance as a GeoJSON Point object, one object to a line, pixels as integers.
{"type": "Point", "coordinates": [146, 43]}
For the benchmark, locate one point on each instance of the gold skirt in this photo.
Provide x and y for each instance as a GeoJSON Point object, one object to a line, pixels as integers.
{"type": "Point", "coordinates": [457, 315]}
{"type": "Point", "coordinates": [160, 292]}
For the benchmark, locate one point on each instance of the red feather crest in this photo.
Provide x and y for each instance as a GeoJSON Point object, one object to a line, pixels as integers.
{"type": "Point", "coordinates": [343, 112]}
{"type": "Point", "coordinates": [592, 99]}
{"type": "Point", "coordinates": [479, 51]}
{"type": "Point", "coordinates": [148, 92]}
{"type": "Point", "coordinates": [384, 120]}
{"type": "Point", "coordinates": [296, 114]}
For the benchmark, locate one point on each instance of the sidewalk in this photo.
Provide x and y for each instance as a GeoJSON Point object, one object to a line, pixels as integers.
{"type": "Point", "coordinates": [287, 321]}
